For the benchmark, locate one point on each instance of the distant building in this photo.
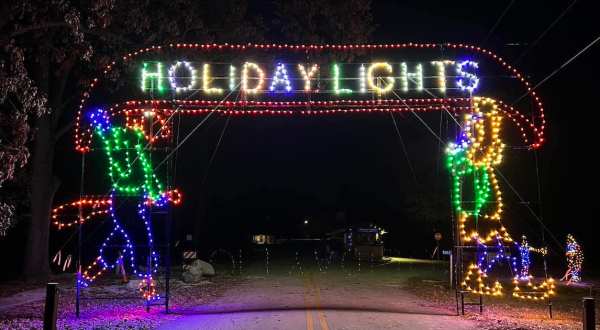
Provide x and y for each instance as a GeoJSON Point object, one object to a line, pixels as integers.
{"type": "Point", "coordinates": [263, 239]}
{"type": "Point", "coordinates": [361, 241]}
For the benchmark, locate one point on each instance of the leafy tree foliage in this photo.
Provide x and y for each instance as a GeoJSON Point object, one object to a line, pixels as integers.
{"type": "Point", "coordinates": [49, 49]}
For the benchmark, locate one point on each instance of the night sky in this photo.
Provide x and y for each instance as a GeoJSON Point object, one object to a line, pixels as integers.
{"type": "Point", "coordinates": [270, 173]}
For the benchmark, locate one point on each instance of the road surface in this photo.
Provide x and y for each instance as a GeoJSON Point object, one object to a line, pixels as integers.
{"type": "Point", "coordinates": [370, 299]}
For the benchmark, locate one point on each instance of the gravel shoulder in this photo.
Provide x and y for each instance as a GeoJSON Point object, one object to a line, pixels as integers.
{"type": "Point", "coordinates": [408, 295]}
{"type": "Point", "coordinates": [109, 312]}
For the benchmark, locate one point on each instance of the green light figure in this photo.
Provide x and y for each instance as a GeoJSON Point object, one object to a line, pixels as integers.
{"type": "Point", "coordinates": [131, 174]}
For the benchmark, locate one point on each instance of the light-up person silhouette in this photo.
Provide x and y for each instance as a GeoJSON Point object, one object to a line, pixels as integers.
{"type": "Point", "coordinates": [132, 176]}
{"type": "Point", "coordinates": [472, 162]}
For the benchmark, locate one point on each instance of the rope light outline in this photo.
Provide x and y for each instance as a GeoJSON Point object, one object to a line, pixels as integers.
{"type": "Point", "coordinates": [537, 129]}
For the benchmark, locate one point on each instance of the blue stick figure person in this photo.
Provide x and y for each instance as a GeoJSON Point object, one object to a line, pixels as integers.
{"type": "Point", "coordinates": [132, 176]}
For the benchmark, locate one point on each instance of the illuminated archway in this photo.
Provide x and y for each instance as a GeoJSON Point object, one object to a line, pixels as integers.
{"type": "Point", "coordinates": [307, 80]}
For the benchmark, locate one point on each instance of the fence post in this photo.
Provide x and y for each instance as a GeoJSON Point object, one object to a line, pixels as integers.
{"type": "Point", "coordinates": [451, 272]}
{"type": "Point", "coordinates": [589, 313]}
{"type": "Point", "coordinates": [50, 306]}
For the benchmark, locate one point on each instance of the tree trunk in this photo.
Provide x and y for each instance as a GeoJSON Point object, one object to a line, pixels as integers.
{"type": "Point", "coordinates": [43, 183]}
{"type": "Point", "coordinates": [37, 265]}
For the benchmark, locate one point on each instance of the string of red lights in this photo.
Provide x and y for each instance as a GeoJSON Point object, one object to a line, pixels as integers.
{"type": "Point", "coordinates": [536, 123]}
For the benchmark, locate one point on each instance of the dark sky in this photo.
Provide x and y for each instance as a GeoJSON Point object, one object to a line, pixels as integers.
{"type": "Point", "coordinates": [276, 171]}
{"type": "Point", "coordinates": [567, 170]}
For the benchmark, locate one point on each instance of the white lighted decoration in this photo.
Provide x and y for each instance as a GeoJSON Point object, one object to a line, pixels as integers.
{"type": "Point", "coordinates": [376, 85]}
{"type": "Point", "coordinates": [336, 82]}
{"type": "Point", "coordinates": [206, 80]}
{"type": "Point", "coordinates": [376, 77]}
{"type": "Point", "coordinates": [245, 77]}
{"type": "Point", "coordinates": [416, 77]}
{"type": "Point", "coordinates": [173, 76]}
{"type": "Point", "coordinates": [155, 76]}
{"type": "Point", "coordinates": [231, 77]}
{"type": "Point", "coordinates": [363, 78]}
{"type": "Point", "coordinates": [308, 76]}
{"type": "Point", "coordinates": [467, 80]}
{"type": "Point", "coordinates": [441, 73]}
{"type": "Point", "coordinates": [280, 77]}
{"type": "Point", "coordinates": [472, 160]}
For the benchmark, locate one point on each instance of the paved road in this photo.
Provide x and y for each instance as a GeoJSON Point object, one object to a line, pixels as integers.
{"type": "Point", "coordinates": [314, 300]}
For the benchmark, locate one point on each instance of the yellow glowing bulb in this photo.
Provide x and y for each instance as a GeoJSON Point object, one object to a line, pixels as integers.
{"type": "Point", "coordinates": [206, 81]}
{"type": "Point", "coordinates": [371, 79]}
{"type": "Point", "coordinates": [245, 77]}
{"type": "Point", "coordinates": [307, 76]}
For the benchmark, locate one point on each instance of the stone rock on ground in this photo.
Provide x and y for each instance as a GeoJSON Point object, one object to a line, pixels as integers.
{"type": "Point", "coordinates": [134, 284]}
{"type": "Point", "coordinates": [207, 269]}
{"type": "Point", "coordinates": [193, 272]}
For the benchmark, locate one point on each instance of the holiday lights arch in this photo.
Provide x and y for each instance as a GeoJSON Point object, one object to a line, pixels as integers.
{"type": "Point", "coordinates": [531, 125]}
{"type": "Point", "coordinates": [445, 81]}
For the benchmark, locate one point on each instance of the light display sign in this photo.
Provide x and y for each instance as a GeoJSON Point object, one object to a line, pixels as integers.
{"type": "Point", "coordinates": [337, 78]}
{"type": "Point", "coordinates": [265, 79]}
{"type": "Point", "coordinates": [159, 82]}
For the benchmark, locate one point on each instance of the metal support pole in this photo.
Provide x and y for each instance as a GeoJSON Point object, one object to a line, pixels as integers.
{"type": "Point", "coordinates": [240, 263]}
{"type": "Point", "coordinates": [456, 267]}
{"type": "Point", "coordinates": [77, 291]}
{"type": "Point", "coordinates": [168, 224]}
{"type": "Point", "coordinates": [149, 218]}
{"type": "Point", "coordinates": [267, 261]}
{"type": "Point", "coordinates": [451, 270]}
{"type": "Point", "coordinates": [149, 265]}
{"type": "Point", "coordinates": [457, 305]}
{"type": "Point", "coordinates": [168, 260]}
{"type": "Point", "coordinates": [50, 306]}
{"type": "Point", "coordinates": [149, 269]}
{"type": "Point", "coordinates": [79, 241]}
{"type": "Point", "coordinates": [589, 313]}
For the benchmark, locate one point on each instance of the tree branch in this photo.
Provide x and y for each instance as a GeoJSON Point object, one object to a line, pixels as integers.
{"type": "Point", "coordinates": [49, 25]}
{"type": "Point", "coordinates": [63, 130]}
{"type": "Point", "coordinates": [38, 27]}
{"type": "Point", "coordinates": [75, 95]}
{"type": "Point", "coordinates": [108, 35]}
{"type": "Point", "coordinates": [63, 75]}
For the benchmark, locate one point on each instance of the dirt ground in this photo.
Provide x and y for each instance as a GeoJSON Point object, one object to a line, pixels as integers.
{"type": "Point", "coordinates": [24, 309]}
{"type": "Point", "coordinates": [403, 294]}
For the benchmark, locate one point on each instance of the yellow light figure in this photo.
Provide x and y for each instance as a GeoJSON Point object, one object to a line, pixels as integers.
{"type": "Point", "coordinates": [474, 282]}
{"type": "Point", "coordinates": [309, 75]}
{"type": "Point", "coordinates": [260, 79]}
{"type": "Point", "coordinates": [483, 149]}
{"type": "Point", "coordinates": [371, 78]}
{"type": "Point", "coordinates": [207, 80]}
{"type": "Point", "coordinates": [476, 154]}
